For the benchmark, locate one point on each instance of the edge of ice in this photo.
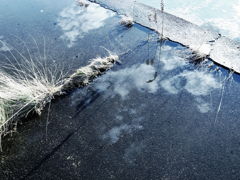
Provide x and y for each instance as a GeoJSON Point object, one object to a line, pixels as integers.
{"type": "Point", "coordinates": [220, 49]}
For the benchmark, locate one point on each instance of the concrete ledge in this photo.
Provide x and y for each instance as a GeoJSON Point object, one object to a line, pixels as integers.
{"type": "Point", "coordinates": [221, 50]}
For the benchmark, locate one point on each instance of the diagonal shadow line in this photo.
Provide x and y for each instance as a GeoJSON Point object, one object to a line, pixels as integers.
{"type": "Point", "coordinates": [91, 98]}
{"type": "Point", "coordinates": [55, 149]}
{"type": "Point", "coordinates": [94, 95]}
{"type": "Point", "coordinates": [49, 155]}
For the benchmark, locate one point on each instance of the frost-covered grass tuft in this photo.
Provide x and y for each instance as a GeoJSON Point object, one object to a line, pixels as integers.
{"type": "Point", "coordinates": [22, 92]}
{"type": "Point", "coordinates": [83, 3]}
{"type": "Point", "coordinates": [27, 85]}
{"type": "Point", "coordinates": [84, 75]}
{"type": "Point", "coordinates": [3, 115]}
{"type": "Point", "coordinates": [197, 58]}
{"type": "Point", "coordinates": [127, 21]}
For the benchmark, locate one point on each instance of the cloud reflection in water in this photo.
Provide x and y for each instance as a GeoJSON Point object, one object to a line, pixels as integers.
{"type": "Point", "coordinates": [122, 82]}
{"type": "Point", "coordinates": [75, 21]}
{"type": "Point", "coordinates": [199, 82]}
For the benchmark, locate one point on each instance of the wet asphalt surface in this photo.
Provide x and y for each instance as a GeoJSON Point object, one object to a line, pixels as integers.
{"type": "Point", "coordinates": [126, 124]}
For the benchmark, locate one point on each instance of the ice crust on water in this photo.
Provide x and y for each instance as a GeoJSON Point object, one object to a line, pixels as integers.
{"type": "Point", "coordinates": [222, 50]}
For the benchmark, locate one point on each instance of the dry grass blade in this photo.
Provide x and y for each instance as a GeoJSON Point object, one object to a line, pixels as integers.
{"type": "Point", "coordinates": [27, 85]}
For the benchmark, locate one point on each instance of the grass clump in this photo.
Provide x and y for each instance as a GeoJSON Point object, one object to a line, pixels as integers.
{"type": "Point", "coordinates": [27, 85]}
{"type": "Point", "coordinates": [83, 3]}
{"type": "Point", "coordinates": [84, 75]}
{"type": "Point", "coordinates": [127, 21]}
{"type": "Point", "coordinates": [3, 114]}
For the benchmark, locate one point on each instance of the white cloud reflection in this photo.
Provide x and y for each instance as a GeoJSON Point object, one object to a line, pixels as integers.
{"type": "Point", "coordinates": [132, 153]}
{"type": "Point", "coordinates": [198, 83]}
{"type": "Point", "coordinates": [114, 134]}
{"type": "Point", "coordinates": [203, 106]}
{"type": "Point", "coordinates": [171, 59]}
{"type": "Point", "coordinates": [75, 21]}
{"type": "Point", "coordinates": [122, 82]}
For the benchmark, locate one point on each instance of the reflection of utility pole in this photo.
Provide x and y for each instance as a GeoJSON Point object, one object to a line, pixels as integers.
{"type": "Point", "coordinates": [162, 13]}
{"type": "Point", "coordinates": [133, 7]}
{"type": "Point", "coordinates": [161, 34]}
{"type": "Point", "coordinates": [161, 39]}
{"type": "Point", "coordinates": [162, 5]}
